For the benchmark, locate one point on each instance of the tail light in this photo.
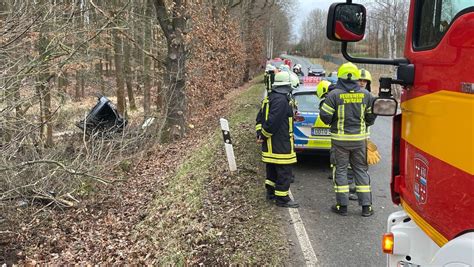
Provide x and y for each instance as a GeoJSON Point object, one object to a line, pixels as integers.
{"type": "Point", "coordinates": [298, 117]}
{"type": "Point", "coordinates": [387, 243]}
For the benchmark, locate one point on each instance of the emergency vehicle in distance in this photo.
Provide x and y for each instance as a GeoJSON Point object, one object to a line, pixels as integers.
{"type": "Point", "coordinates": [432, 167]}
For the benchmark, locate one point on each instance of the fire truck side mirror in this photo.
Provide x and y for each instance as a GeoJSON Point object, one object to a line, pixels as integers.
{"type": "Point", "coordinates": [346, 22]}
{"type": "Point", "coordinates": [385, 106]}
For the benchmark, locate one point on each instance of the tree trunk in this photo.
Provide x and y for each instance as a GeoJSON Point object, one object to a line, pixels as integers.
{"type": "Point", "coordinates": [107, 62]}
{"type": "Point", "coordinates": [100, 74]}
{"type": "Point", "coordinates": [119, 71]}
{"type": "Point", "coordinates": [247, 39]}
{"type": "Point", "coordinates": [376, 41]}
{"type": "Point", "coordinates": [44, 92]}
{"type": "Point", "coordinates": [128, 76]}
{"type": "Point", "coordinates": [173, 26]}
{"type": "Point", "coordinates": [83, 83]}
{"type": "Point", "coordinates": [146, 61]}
{"type": "Point", "coordinates": [77, 87]}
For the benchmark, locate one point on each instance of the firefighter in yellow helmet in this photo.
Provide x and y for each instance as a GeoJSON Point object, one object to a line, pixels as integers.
{"type": "Point", "coordinates": [322, 89]}
{"type": "Point", "coordinates": [347, 109]}
{"type": "Point", "coordinates": [275, 133]}
{"type": "Point", "coordinates": [365, 79]}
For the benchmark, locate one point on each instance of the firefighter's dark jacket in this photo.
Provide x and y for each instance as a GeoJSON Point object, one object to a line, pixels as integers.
{"type": "Point", "coordinates": [275, 127]}
{"type": "Point", "coordinates": [348, 109]}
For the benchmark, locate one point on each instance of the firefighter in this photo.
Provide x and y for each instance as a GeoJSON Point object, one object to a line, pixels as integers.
{"type": "Point", "coordinates": [297, 70]}
{"type": "Point", "coordinates": [275, 134]}
{"type": "Point", "coordinates": [365, 79]}
{"type": "Point", "coordinates": [323, 88]}
{"type": "Point", "coordinates": [347, 108]}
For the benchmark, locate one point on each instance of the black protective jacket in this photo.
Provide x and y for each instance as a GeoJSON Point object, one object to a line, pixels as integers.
{"type": "Point", "coordinates": [348, 109]}
{"type": "Point", "coordinates": [275, 127]}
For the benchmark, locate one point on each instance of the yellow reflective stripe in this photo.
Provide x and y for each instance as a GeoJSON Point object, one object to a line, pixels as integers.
{"type": "Point", "coordinates": [269, 145]}
{"type": "Point", "coordinates": [363, 188]}
{"type": "Point", "coordinates": [348, 137]}
{"type": "Point", "coordinates": [266, 134]}
{"type": "Point", "coordinates": [436, 236]}
{"type": "Point", "coordinates": [279, 161]}
{"type": "Point", "coordinates": [267, 109]}
{"type": "Point", "coordinates": [264, 102]}
{"type": "Point", "coordinates": [292, 140]}
{"type": "Point", "coordinates": [343, 118]}
{"type": "Point", "coordinates": [258, 127]}
{"type": "Point", "coordinates": [340, 119]}
{"type": "Point", "coordinates": [281, 193]}
{"type": "Point", "coordinates": [278, 156]}
{"type": "Point", "coordinates": [292, 144]}
{"type": "Point", "coordinates": [327, 110]}
{"type": "Point", "coordinates": [270, 183]}
{"type": "Point", "coordinates": [341, 188]}
{"type": "Point", "coordinates": [362, 119]}
{"type": "Point", "coordinates": [333, 173]}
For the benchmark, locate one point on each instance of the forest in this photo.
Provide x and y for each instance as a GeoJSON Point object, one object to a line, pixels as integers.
{"type": "Point", "coordinates": [159, 65]}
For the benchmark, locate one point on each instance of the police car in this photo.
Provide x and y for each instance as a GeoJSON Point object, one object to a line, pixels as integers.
{"type": "Point", "coordinates": [311, 134]}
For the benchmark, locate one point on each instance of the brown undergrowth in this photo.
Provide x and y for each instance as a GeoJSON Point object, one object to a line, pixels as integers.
{"type": "Point", "coordinates": [179, 206]}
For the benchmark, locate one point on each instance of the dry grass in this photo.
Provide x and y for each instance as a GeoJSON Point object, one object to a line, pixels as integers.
{"type": "Point", "coordinates": [212, 216]}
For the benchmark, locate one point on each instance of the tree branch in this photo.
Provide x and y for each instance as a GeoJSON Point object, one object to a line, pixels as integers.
{"type": "Point", "coordinates": [57, 163]}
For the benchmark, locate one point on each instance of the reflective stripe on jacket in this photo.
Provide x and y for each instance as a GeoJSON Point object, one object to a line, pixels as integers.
{"type": "Point", "coordinates": [348, 109]}
{"type": "Point", "coordinates": [275, 123]}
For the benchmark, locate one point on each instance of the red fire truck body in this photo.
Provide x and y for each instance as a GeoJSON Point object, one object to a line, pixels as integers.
{"type": "Point", "coordinates": [436, 183]}
{"type": "Point", "coordinates": [433, 135]}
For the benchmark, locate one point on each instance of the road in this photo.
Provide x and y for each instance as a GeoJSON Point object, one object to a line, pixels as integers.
{"type": "Point", "coordinates": [342, 241]}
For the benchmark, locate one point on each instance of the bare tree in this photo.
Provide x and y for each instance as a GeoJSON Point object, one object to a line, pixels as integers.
{"type": "Point", "coordinates": [173, 21]}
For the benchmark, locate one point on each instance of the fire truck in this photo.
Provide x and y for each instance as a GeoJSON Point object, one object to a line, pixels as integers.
{"type": "Point", "coordinates": [433, 132]}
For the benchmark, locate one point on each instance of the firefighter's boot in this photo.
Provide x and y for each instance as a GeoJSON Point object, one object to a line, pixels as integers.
{"type": "Point", "coordinates": [287, 204]}
{"type": "Point", "coordinates": [270, 195]}
{"type": "Point", "coordinates": [341, 210]}
{"type": "Point", "coordinates": [367, 211]}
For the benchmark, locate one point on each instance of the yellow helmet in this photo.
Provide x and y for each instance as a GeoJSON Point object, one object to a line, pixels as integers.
{"type": "Point", "coordinates": [348, 71]}
{"type": "Point", "coordinates": [282, 78]}
{"type": "Point", "coordinates": [322, 88]}
{"type": "Point", "coordinates": [365, 75]}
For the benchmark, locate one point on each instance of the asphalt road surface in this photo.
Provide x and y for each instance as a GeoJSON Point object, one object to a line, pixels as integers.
{"type": "Point", "coordinates": [342, 241]}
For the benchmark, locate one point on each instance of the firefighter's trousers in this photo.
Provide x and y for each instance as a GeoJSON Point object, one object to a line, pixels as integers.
{"type": "Point", "coordinates": [353, 153]}
{"type": "Point", "coordinates": [278, 180]}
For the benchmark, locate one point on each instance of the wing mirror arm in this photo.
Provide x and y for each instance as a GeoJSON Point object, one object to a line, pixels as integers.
{"type": "Point", "coordinates": [380, 61]}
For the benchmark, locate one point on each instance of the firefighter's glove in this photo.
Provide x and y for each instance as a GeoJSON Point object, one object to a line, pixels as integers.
{"type": "Point", "coordinates": [373, 156]}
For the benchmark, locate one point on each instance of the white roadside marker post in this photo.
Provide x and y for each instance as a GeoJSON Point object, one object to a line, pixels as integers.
{"type": "Point", "coordinates": [229, 150]}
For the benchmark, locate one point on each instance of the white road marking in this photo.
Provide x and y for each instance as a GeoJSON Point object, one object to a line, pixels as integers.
{"type": "Point", "coordinates": [303, 239]}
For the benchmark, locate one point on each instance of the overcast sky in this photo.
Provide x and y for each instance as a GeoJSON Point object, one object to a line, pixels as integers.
{"type": "Point", "coordinates": [305, 7]}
